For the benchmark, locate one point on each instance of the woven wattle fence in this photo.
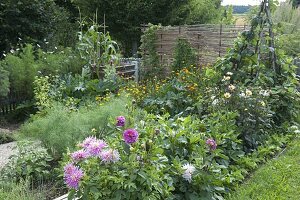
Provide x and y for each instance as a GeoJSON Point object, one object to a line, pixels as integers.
{"type": "Point", "coordinates": [210, 40]}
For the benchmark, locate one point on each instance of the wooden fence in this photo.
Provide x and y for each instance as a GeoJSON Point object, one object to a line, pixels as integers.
{"type": "Point", "coordinates": [129, 68]}
{"type": "Point", "coordinates": [10, 103]}
{"type": "Point", "coordinates": [211, 41]}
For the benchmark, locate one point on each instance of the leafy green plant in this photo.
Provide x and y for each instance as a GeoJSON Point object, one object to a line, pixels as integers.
{"type": "Point", "coordinates": [184, 55]}
{"type": "Point", "coordinates": [152, 167]}
{"type": "Point", "coordinates": [179, 158]}
{"type": "Point", "coordinates": [31, 162]}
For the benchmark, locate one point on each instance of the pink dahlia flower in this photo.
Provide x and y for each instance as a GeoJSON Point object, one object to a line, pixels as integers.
{"type": "Point", "coordinates": [72, 176]}
{"type": "Point", "coordinates": [79, 155]}
{"type": "Point", "coordinates": [86, 143]}
{"type": "Point", "coordinates": [96, 147]}
{"type": "Point", "coordinates": [110, 156]}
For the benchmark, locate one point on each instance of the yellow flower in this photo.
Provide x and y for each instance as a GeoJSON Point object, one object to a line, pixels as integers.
{"type": "Point", "coordinates": [263, 104]}
{"type": "Point", "coordinates": [227, 95]}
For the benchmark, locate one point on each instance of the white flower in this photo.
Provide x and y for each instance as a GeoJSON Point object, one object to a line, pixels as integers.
{"type": "Point", "coordinates": [212, 97]}
{"type": "Point", "coordinates": [297, 131]}
{"type": "Point", "coordinates": [242, 95]}
{"type": "Point", "coordinates": [215, 102]}
{"type": "Point", "coordinates": [264, 93]}
{"type": "Point", "coordinates": [226, 78]}
{"type": "Point", "coordinates": [248, 93]}
{"type": "Point", "coordinates": [189, 170]}
{"type": "Point", "coordinates": [231, 87]}
{"type": "Point", "coordinates": [229, 73]}
{"type": "Point", "coordinates": [227, 95]}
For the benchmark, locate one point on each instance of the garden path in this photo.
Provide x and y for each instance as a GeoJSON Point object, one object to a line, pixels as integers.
{"type": "Point", "coordinates": [6, 150]}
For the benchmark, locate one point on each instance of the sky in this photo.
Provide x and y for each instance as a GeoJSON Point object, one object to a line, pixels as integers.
{"type": "Point", "coordinates": [242, 2]}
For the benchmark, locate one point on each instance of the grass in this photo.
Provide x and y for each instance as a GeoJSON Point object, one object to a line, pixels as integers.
{"type": "Point", "coordinates": [19, 191]}
{"type": "Point", "coordinates": [277, 180]}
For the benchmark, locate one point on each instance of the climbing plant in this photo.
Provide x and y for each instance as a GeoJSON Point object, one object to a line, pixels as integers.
{"type": "Point", "coordinates": [184, 54]}
{"type": "Point", "coordinates": [150, 64]}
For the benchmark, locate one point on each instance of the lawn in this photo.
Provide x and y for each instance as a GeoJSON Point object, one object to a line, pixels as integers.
{"type": "Point", "coordinates": [278, 179]}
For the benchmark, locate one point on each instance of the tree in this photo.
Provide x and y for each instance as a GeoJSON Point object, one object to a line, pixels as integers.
{"type": "Point", "coordinates": [228, 17]}
{"type": "Point", "coordinates": [4, 82]}
{"type": "Point", "coordinates": [203, 11]}
{"type": "Point", "coordinates": [295, 3]}
{"type": "Point", "coordinates": [123, 18]}
{"type": "Point", "coordinates": [33, 21]}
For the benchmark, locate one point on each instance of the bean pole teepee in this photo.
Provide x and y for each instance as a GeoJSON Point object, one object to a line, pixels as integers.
{"type": "Point", "coordinates": [254, 51]}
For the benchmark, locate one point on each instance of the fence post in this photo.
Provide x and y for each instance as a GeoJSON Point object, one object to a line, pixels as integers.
{"type": "Point", "coordinates": [220, 42]}
{"type": "Point", "coordinates": [136, 68]}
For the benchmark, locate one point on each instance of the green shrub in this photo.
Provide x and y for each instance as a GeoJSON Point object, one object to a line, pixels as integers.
{"type": "Point", "coordinates": [153, 166]}
{"type": "Point", "coordinates": [22, 69]}
{"type": "Point", "coordinates": [61, 128]}
{"type": "Point", "coordinates": [25, 64]}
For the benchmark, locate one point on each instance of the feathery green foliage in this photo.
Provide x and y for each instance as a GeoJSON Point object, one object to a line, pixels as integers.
{"type": "Point", "coordinates": [61, 129]}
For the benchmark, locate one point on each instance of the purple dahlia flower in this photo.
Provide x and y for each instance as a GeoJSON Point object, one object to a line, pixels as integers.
{"type": "Point", "coordinates": [121, 121]}
{"type": "Point", "coordinates": [212, 144]}
{"type": "Point", "coordinates": [130, 136]}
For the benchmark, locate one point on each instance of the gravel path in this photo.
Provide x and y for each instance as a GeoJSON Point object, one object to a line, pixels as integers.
{"type": "Point", "coordinates": [6, 150]}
